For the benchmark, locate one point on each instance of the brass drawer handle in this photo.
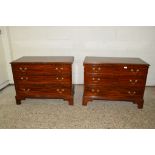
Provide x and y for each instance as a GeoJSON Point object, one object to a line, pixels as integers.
{"type": "Point", "coordinates": [22, 78]}
{"type": "Point", "coordinates": [26, 89]}
{"type": "Point", "coordinates": [59, 78]}
{"type": "Point", "coordinates": [59, 68]}
{"type": "Point", "coordinates": [97, 79]}
{"type": "Point", "coordinates": [132, 70]}
{"type": "Point", "coordinates": [131, 93]}
{"type": "Point", "coordinates": [99, 68]}
{"type": "Point", "coordinates": [60, 90]}
{"type": "Point", "coordinates": [93, 90]}
{"type": "Point", "coordinates": [23, 69]}
{"type": "Point", "coordinates": [133, 81]}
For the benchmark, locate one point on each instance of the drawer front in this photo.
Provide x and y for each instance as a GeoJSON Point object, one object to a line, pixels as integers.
{"type": "Point", "coordinates": [133, 70]}
{"type": "Point", "coordinates": [131, 81]}
{"type": "Point", "coordinates": [106, 69]}
{"type": "Point", "coordinates": [113, 93]}
{"type": "Point", "coordinates": [40, 69]}
{"type": "Point", "coordinates": [104, 80]}
{"type": "Point", "coordinates": [43, 90]}
{"type": "Point", "coordinates": [99, 79]}
{"type": "Point", "coordinates": [138, 70]}
{"type": "Point", "coordinates": [53, 79]}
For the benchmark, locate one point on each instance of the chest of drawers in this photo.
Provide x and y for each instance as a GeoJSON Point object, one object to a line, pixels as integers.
{"type": "Point", "coordinates": [115, 79]}
{"type": "Point", "coordinates": [43, 77]}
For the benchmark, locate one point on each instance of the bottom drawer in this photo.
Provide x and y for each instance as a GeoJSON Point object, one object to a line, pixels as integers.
{"type": "Point", "coordinates": [43, 90]}
{"type": "Point", "coordinates": [113, 92]}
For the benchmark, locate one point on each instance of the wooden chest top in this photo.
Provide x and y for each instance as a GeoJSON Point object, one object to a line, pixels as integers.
{"type": "Point", "coordinates": [45, 59]}
{"type": "Point", "coordinates": [114, 60]}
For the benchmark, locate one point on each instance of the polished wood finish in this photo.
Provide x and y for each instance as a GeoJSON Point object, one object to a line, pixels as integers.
{"type": "Point", "coordinates": [114, 60]}
{"type": "Point", "coordinates": [43, 77]}
{"type": "Point", "coordinates": [45, 59]}
{"type": "Point", "coordinates": [114, 79]}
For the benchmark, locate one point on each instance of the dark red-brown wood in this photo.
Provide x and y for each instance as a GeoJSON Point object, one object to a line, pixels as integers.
{"type": "Point", "coordinates": [121, 79]}
{"type": "Point", "coordinates": [43, 77]}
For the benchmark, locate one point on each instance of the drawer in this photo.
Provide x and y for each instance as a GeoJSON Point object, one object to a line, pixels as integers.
{"type": "Point", "coordinates": [64, 79]}
{"type": "Point", "coordinates": [131, 81]}
{"type": "Point", "coordinates": [138, 70]}
{"type": "Point", "coordinates": [113, 93]}
{"type": "Point", "coordinates": [133, 70]}
{"type": "Point", "coordinates": [104, 80]}
{"type": "Point", "coordinates": [100, 79]}
{"type": "Point", "coordinates": [40, 69]}
{"type": "Point", "coordinates": [106, 69]}
{"type": "Point", "coordinates": [43, 90]}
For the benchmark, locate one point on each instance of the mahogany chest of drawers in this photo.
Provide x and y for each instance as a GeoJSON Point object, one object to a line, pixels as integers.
{"type": "Point", "coordinates": [114, 79]}
{"type": "Point", "coordinates": [43, 77]}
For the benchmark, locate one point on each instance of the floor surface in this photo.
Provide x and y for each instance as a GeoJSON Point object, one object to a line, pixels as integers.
{"type": "Point", "coordinates": [54, 113]}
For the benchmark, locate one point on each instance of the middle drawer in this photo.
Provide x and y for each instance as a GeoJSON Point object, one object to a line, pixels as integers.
{"type": "Point", "coordinates": [104, 80]}
{"type": "Point", "coordinates": [54, 79]}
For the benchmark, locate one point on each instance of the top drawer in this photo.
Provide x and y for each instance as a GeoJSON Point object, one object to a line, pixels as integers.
{"type": "Point", "coordinates": [133, 70]}
{"type": "Point", "coordinates": [116, 69]}
{"type": "Point", "coordinates": [41, 69]}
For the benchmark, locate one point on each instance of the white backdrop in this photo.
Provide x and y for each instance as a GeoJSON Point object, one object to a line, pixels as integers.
{"type": "Point", "coordinates": [85, 41]}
